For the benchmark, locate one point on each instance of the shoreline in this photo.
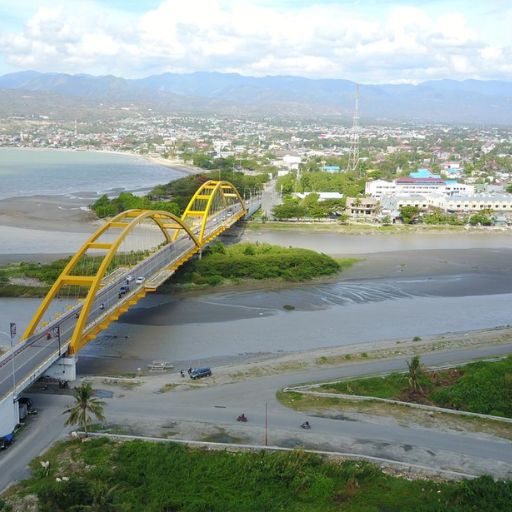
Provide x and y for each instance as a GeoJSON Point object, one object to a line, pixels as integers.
{"type": "Point", "coordinates": [373, 229]}
{"type": "Point", "coordinates": [176, 164]}
{"type": "Point", "coordinates": [265, 364]}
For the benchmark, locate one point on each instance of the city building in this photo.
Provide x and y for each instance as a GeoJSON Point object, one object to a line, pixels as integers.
{"type": "Point", "coordinates": [360, 207]}
{"type": "Point", "coordinates": [409, 185]}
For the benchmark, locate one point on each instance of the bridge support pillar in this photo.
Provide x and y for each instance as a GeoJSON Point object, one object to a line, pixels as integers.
{"type": "Point", "coordinates": [9, 415]}
{"type": "Point", "coordinates": [63, 369]}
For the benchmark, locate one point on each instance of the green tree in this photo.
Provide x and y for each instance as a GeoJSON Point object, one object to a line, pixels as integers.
{"type": "Point", "coordinates": [481, 218]}
{"type": "Point", "coordinates": [414, 372]}
{"type": "Point", "coordinates": [409, 214]}
{"type": "Point", "coordinates": [84, 407]}
{"type": "Point", "coordinates": [288, 210]}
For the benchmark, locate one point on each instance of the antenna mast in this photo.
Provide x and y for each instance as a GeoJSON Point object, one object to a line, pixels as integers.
{"type": "Point", "coordinates": [353, 156]}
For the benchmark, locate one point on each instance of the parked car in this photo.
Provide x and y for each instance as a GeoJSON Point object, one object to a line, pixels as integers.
{"type": "Point", "coordinates": [197, 373]}
{"type": "Point", "coordinates": [25, 401]}
{"type": "Point", "coordinates": [6, 441]}
{"type": "Point", "coordinates": [140, 280]}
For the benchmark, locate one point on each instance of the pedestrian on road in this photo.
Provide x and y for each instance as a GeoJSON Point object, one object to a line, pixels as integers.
{"type": "Point", "coordinates": [189, 371]}
{"type": "Point", "coordinates": [182, 373]}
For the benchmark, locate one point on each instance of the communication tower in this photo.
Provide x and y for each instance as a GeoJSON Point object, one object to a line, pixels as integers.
{"type": "Point", "coordinates": [353, 156]}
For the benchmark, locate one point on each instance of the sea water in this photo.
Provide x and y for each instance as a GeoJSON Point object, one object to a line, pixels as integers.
{"type": "Point", "coordinates": [28, 172]}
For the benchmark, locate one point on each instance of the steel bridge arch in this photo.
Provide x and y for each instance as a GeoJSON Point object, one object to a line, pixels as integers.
{"type": "Point", "coordinates": [201, 203]}
{"type": "Point", "coordinates": [164, 220]}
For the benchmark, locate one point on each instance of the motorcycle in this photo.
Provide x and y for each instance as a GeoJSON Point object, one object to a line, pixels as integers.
{"type": "Point", "coordinates": [242, 418]}
{"type": "Point", "coordinates": [306, 425]}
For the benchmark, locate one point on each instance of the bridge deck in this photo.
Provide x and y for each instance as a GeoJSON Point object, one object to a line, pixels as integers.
{"type": "Point", "coordinates": [36, 354]}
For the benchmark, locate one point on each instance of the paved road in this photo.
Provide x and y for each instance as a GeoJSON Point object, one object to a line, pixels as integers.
{"type": "Point", "coordinates": [220, 405]}
{"type": "Point", "coordinates": [270, 197]}
{"type": "Point", "coordinates": [37, 354]}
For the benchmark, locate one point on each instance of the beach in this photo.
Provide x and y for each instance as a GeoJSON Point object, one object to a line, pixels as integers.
{"type": "Point", "coordinates": [37, 226]}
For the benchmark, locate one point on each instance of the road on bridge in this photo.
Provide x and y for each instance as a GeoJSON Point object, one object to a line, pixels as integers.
{"type": "Point", "coordinates": [41, 350]}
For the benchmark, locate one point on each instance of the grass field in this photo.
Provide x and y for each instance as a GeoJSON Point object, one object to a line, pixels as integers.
{"type": "Point", "coordinates": [481, 387]}
{"type": "Point", "coordinates": [138, 476]}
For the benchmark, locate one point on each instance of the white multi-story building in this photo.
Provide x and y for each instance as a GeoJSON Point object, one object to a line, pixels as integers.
{"type": "Point", "coordinates": [474, 202]}
{"type": "Point", "coordinates": [457, 203]}
{"type": "Point", "coordinates": [379, 188]}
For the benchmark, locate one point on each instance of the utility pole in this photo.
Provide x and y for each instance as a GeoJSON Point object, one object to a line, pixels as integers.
{"type": "Point", "coordinates": [353, 156]}
{"type": "Point", "coordinates": [266, 424]}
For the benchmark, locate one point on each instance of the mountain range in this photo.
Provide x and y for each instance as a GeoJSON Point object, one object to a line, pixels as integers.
{"type": "Point", "coordinates": [443, 101]}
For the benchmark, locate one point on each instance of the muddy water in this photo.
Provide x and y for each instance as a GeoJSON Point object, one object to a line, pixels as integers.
{"type": "Point", "coordinates": [337, 244]}
{"type": "Point", "coordinates": [387, 295]}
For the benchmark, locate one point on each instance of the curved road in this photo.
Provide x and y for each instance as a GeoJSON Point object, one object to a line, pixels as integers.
{"type": "Point", "coordinates": [219, 406]}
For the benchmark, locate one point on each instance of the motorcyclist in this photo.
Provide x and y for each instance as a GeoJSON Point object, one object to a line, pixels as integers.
{"type": "Point", "coordinates": [242, 417]}
{"type": "Point", "coordinates": [306, 425]}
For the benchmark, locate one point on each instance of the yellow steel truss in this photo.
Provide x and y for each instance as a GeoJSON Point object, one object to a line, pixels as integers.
{"type": "Point", "coordinates": [163, 220]}
{"type": "Point", "coordinates": [201, 203]}
{"type": "Point", "coordinates": [199, 206]}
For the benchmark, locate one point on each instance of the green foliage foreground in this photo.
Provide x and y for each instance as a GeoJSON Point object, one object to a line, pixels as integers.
{"type": "Point", "coordinates": [257, 261]}
{"type": "Point", "coordinates": [483, 387]}
{"type": "Point", "coordinates": [152, 477]}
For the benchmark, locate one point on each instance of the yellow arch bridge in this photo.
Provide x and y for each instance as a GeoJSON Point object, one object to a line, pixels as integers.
{"type": "Point", "coordinates": [127, 257]}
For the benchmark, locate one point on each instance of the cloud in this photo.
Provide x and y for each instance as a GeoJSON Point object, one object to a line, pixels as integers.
{"type": "Point", "coordinates": [328, 40]}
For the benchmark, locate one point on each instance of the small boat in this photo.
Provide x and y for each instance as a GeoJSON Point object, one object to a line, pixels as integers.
{"type": "Point", "coordinates": [160, 365]}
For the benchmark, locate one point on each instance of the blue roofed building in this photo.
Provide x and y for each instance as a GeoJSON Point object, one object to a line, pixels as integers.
{"type": "Point", "coordinates": [423, 173]}
{"type": "Point", "coordinates": [332, 168]}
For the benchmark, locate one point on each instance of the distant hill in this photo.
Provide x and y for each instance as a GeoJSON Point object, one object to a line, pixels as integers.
{"type": "Point", "coordinates": [450, 101]}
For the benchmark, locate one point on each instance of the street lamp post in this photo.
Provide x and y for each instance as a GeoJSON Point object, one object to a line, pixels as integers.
{"type": "Point", "coordinates": [11, 338]}
{"type": "Point", "coordinates": [58, 335]}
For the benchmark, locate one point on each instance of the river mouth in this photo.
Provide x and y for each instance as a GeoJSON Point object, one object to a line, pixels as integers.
{"type": "Point", "coordinates": [409, 298]}
{"type": "Point", "coordinates": [384, 297]}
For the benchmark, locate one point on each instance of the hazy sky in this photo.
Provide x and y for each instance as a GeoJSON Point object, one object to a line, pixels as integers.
{"type": "Point", "coordinates": [362, 40]}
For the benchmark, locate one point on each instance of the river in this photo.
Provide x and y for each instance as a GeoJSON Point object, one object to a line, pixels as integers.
{"type": "Point", "coordinates": [405, 285]}
{"type": "Point", "coordinates": [386, 296]}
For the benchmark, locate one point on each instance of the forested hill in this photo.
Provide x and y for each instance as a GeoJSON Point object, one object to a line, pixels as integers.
{"type": "Point", "coordinates": [451, 101]}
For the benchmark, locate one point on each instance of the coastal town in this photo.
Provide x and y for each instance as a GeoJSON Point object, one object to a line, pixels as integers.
{"type": "Point", "coordinates": [403, 173]}
{"type": "Point", "coordinates": [255, 256]}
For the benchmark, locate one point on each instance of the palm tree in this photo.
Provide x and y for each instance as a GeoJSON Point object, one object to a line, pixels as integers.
{"type": "Point", "coordinates": [415, 371]}
{"type": "Point", "coordinates": [85, 405]}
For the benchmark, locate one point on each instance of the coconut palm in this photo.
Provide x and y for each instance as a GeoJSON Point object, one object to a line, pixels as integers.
{"type": "Point", "coordinates": [85, 405]}
{"type": "Point", "coordinates": [415, 371]}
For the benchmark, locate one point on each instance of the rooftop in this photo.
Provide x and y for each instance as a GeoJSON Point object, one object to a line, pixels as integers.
{"type": "Point", "coordinates": [420, 180]}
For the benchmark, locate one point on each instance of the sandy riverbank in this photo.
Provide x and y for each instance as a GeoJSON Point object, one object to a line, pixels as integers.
{"type": "Point", "coordinates": [53, 213]}
{"type": "Point", "coordinates": [500, 338]}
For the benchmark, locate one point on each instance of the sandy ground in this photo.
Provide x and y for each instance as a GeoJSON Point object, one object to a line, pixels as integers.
{"type": "Point", "coordinates": [53, 213]}
{"type": "Point", "coordinates": [314, 359]}
{"type": "Point", "coordinates": [175, 164]}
